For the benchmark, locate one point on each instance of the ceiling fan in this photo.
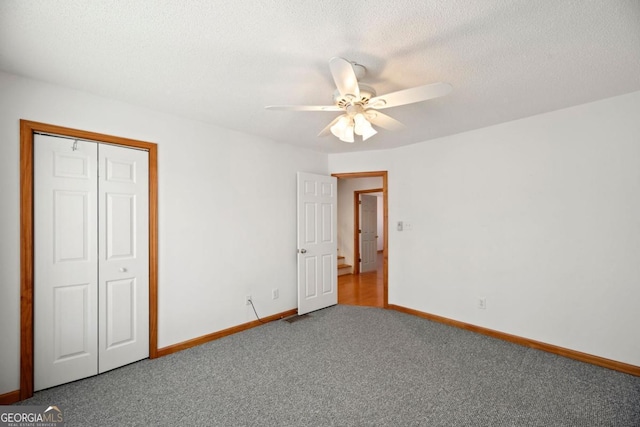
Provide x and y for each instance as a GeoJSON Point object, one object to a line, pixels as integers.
{"type": "Point", "coordinates": [360, 103]}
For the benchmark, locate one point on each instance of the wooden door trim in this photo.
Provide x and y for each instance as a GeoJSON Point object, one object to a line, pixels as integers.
{"type": "Point", "coordinates": [356, 226]}
{"type": "Point", "coordinates": [27, 131]}
{"type": "Point", "coordinates": [385, 209]}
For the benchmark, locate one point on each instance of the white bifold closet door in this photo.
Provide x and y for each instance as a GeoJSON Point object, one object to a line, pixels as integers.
{"type": "Point", "coordinates": [91, 258]}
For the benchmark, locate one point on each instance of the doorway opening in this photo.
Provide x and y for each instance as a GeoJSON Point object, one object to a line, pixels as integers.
{"type": "Point", "coordinates": [27, 131]}
{"type": "Point", "coordinates": [376, 286]}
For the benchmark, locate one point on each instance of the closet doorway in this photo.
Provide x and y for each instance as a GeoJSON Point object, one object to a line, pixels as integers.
{"type": "Point", "coordinates": [83, 310]}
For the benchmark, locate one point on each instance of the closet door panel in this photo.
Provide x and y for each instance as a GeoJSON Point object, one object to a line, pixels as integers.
{"type": "Point", "coordinates": [124, 256]}
{"type": "Point", "coordinates": [65, 261]}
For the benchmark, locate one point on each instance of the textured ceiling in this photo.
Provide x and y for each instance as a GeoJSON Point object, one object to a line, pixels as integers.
{"type": "Point", "coordinates": [223, 61]}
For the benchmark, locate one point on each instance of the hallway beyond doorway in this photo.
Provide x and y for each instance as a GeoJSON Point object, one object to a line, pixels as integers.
{"type": "Point", "coordinates": [363, 289]}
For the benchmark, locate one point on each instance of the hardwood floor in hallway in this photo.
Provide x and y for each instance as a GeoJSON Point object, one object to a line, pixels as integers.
{"type": "Point", "coordinates": [362, 289]}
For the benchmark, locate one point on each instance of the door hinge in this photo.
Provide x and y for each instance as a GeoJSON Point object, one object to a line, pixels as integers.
{"type": "Point", "coordinates": [359, 231]}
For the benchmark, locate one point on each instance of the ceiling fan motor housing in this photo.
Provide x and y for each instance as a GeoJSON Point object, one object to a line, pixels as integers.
{"type": "Point", "coordinates": [366, 93]}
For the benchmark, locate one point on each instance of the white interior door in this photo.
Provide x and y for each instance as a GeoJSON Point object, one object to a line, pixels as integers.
{"type": "Point", "coordinates": [123, 290]}
{"type": "Point", "coordinates": [91, 267]}
{"type": "Point", "coordinates": [317, 242]}
{"type": "Point", "coordinates": [368, 232]}
{"type": "Point", "coordinates": [65, 261]}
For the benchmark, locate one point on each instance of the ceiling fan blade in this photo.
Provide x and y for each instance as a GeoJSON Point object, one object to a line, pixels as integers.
{"type": "Point", "coordinates": [304, 107]}
{"type": "Point", "coordinates": [344, 77]}
{"type": "Point", "coordinates": [409, 96]}
{"type": "Point", "coordinates": [379, 119]}
{"type": "Point", "coordinates": [327, 130]}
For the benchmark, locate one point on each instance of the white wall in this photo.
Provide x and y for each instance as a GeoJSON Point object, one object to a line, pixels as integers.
{"type": "Point", "coordinates": [223, 197]}
{"type": "Point", "coordinates": [541, 216]}
{"type": "Point", "coordinates": [346, 187]}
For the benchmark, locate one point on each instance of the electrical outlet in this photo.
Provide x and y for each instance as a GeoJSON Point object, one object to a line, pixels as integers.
{"type": "Point", "coordinates": [248, 300]}
{"type": "Point", "coordinates": [482, 303]}
{"type": "Point", "coordinates": [275, 293]}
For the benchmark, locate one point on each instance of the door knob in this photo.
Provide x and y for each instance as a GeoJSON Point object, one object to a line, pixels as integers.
{"type": "Point", "coordinates": [123, 270]}
{"type": "Point", "coordinates": [303, 251]}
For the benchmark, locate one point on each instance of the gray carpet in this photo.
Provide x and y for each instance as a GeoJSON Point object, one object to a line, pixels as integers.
{"type": "Point", "coordinates": [352, 366]}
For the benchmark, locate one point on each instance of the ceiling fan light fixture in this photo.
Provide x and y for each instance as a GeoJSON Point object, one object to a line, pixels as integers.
{"type": "Point", "coordinates": [368, 132]}
{"type": "Point", "coordinates": [343, 129]}
{"type": "Point", "coordinates": [348, 134]}
{"type": "Point", "coordinates": [363, 127]}
{"type": "Point", "coordinates": [360, 123]}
